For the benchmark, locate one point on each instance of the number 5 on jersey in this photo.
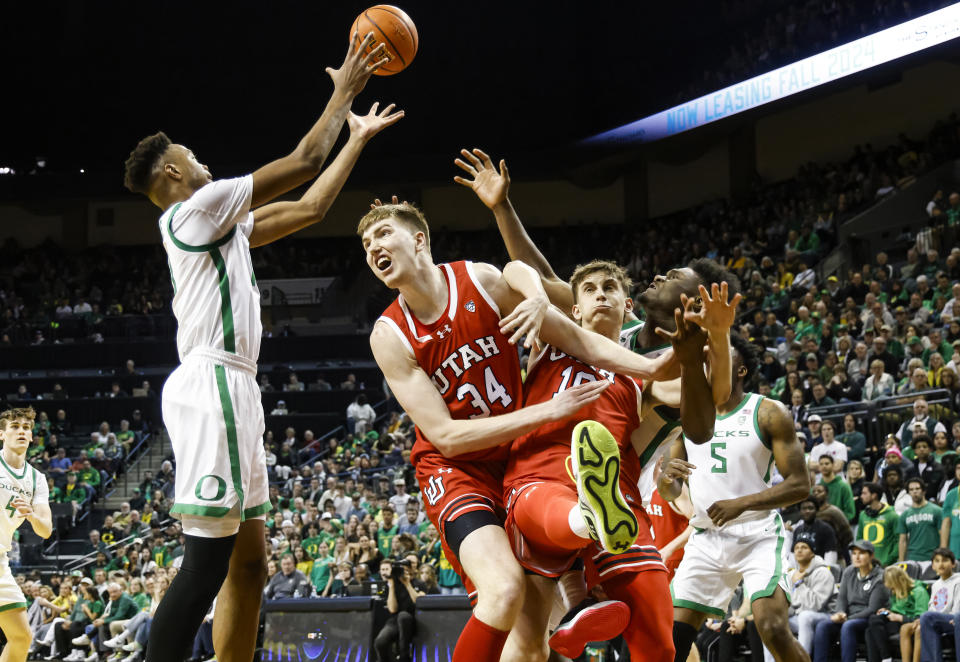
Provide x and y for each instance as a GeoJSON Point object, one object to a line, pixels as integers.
{"type": "Point", "coordinates": [495, 392]}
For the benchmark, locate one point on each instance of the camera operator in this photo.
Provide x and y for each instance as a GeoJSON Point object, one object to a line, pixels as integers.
{"type": "Point", "coordinates": [401, 598]}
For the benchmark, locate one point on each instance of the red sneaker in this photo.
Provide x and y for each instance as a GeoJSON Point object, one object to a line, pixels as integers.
{"type": "Point", "coordinates": [586, 622]}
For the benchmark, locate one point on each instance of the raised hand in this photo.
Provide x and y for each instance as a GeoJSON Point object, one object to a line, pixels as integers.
{"type": "Point", "coordinates": [491, 187]}
{"type": "Point", "coordinates": [688, 340]}
{"type": "Point", "coordinates": [526, 320]}
{"type": "Point", "coordinates": [575, 398]}
{"type": "Point", "coordinates": [367, 126]}
{"type": "Point", "coordinates": [393, 201]}
{"type": "Point", "coordinates": [717, 311]}
{"type": "Point", "coordinates": [358, 65]}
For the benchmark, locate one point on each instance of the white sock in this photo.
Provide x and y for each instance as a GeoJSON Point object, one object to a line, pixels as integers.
{"type": "Point", "coordinates": [577, 525]}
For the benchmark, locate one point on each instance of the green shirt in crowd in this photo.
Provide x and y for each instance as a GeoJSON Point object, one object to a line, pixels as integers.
{"type": "Point", "coordinates": [951, 509]}
{"type": "Point", "coordinates": [881, 530]}
{"type": "Point", "coordinates": [385, 541]}
{"type": "Point", "coordinates": [320, 574]}
{"type": "Point", "coordinates": [922, 527]}
{"type": "Point", "coordinates": [856, 444]}
{"type": "Point", "coordinates": [840, 495]}
{"type": "Point", "coordinates": [914, 604]}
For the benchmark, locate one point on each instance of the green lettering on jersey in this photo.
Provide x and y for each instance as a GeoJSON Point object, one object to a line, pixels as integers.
{"type": "Point", "coordinates": [11, 511]}
{"type": "Point", "coordinates": [721, 466]}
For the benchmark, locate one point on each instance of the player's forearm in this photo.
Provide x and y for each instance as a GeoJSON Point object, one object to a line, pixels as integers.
{"type": "Point", "coordinates": [697, 409]}
{"type": "Point", "coordinates": [315, 203]}
{"type": "Point", "coordinates": [793, 488]}
{"type": "Point", "coordinates": [42, 526]}
{"type": "Point", "coordinates": [314, 147]}
{"type": "Point", "coordinates": [676, 543]}
{"type": "Point", "coordinates": [459, 436]}
{"type": "Point", "coordinates": [718, 353]}
{"type": "Point", "coordinates": [669, 489]}
{"type": "Point", "coordinates": [522, 278]}
{"type": "Point", "coordinates": [600, 352]}
{"type": "Point", "coordinates": [519, 244]}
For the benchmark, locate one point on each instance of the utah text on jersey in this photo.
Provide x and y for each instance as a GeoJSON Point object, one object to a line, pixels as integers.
{"type": "Point", "coordinates": [463, 358]}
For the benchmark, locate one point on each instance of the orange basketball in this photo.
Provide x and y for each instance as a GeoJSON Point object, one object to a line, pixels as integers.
{"type": "Point", "coordinates": [392, 27]}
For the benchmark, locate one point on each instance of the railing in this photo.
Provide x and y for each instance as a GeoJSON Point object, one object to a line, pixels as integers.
{"type": "Point", "coordinates": [885, 416]}
{"type": "Point", "coordinates": [86, 560]}
{"type": "Point", "coordinates": [129, 465]}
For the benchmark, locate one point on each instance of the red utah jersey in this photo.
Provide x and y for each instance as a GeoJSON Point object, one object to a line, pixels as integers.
{"type": "Point", "coordinates": [545, 452]}
{"type": "Point", "coordinates": [469, 360]}
{"type": "Point", "coordinates": [667, 524]}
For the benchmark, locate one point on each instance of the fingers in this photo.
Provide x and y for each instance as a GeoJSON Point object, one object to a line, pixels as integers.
{"type": "Point", "coordinates": [678, 318]}
{"type": "Point", "coordinates": [724, 292]}
{"type": "Point", "coordinates": [504, 171]}
{"type": "Point", "coordinates": [376, 65]}
{"type": "Point", "coordinates": [737, 298]}
{"type": "Point", "coordinates": [390, 120]}
{"type": "Point", "coordinates": [474, 161]}
{"type": "Point", "coordinates": [465, 182]}
{"type": "Point", "coordinates": [587, 391]}
{"type": "Point", "coordinates": [466, 167]}
{"type": "Point", "coordinates": [395, 200]}
{"type": "Point", "coordinates": [487, 163]}
{"type": "Point", "coordinates": [373, 108]}
{"type": "Point", "coordinates": [663, 333]}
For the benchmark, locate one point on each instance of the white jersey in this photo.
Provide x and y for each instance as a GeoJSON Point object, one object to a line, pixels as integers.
{"type": "Point", "coordinates": [659, 423]}
{"type": "Point", "coordinates": [215, 296]}
{"type": "Point", "coordinates": [737, 462]}
{"type": "Point", "coordinates": [28, 484]}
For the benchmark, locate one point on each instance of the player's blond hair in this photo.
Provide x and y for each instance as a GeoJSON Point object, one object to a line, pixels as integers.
{"type": "Point", "coordinates": [17, 414]}
{"type": "Point", "coordinates": [613, 269]}
{"type": "Point", "coordinates": [404, 212]}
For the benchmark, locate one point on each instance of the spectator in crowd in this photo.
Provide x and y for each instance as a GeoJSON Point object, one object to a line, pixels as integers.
{"type": "Point", "coordinates": [943, 612]}
{"type": "Point", "coordinates": [919, 526]}
{"type": "Point", "coordinates": [908, 600]}
{"type": "Point", "coordinates": [862, 594]}
{"type": "Point", "coordinates": [832, 516]}
{"type": "Point", "coordinates": [838, 490]}
{"type": "Point", "coordinates": [879, 384]}
{"type": "Point", "coordinates": [812, 589]}
{"type": "Point", "coordinates": [927, 468]}
{"type": "Point", "coordinates": [360, 416]}
{"type": "Point", "coordinates": [829, 447]}
{"type": "Point", "coordinates": [921, 418]}
{"type": "Point", "coordinates": [288, 583]}
{"type": "Point", "coordinates": [820, 536]}
{"type": "Point", "coordinates": [854, 440]}
{"type": "Point", "coordinates": [878, 524]}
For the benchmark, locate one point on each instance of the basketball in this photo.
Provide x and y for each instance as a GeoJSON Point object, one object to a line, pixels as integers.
{"type": "Point", "coordinates": [392, 27]}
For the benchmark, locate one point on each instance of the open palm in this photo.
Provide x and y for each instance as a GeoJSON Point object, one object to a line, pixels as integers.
{"type": "Point", "coordinates": [491, 186]}
{"type": "Point", "coordinates": [369, 125]}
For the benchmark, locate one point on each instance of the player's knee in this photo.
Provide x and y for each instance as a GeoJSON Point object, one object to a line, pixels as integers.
{"type": "Point", "coordinates": [524, 650]}
{"type": "Point", "coordinates": [252, 571]}
{"type": "Point", "coordinates": [19, 637]}
{"type": "Point", "coordinates": [506, 592]}
{"type": "Point", "coordinates": [773, 627]}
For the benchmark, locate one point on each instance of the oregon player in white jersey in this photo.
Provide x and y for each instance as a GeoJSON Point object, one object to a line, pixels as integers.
{"type": "Point", "coordinates": [211, 402]}
{"type": "Point", "coordinates": [738, 533]}
{"type": "Point", "coordinates": [23, 496]}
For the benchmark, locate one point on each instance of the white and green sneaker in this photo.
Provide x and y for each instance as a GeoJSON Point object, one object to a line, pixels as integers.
{"type": "Point", "coordinates": [595, 457]}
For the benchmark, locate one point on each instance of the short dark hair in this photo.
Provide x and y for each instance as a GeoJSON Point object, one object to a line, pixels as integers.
{"type": "Point", "coordinates": [921, 437]}
{"type": "Point", "coordinates": [945, 552]}
{"type": "Point", "coordinates": [874, 488]}
{"type": "Point", "coordinates": [748, 352]}
{"type": "Point", "coordinates": [140, 165]}
{"type": "Point", "coordinates": [919, 481]}
{"type": "Point", "coordinates": [809, 499]}
{"type": "Point", "coordinates": [710, 271]}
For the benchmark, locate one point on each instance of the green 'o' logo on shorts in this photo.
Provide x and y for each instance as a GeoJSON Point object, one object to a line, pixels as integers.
{"type": "Point", "coordinates": [221, 488]}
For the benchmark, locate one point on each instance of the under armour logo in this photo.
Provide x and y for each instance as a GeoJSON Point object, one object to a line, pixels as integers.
{"type": "Point", "coordinates": [470, 306]}
{"type": "Point", "coordinates": [444, 470]}
{"type": "Point", "coordinates": [445, 331]}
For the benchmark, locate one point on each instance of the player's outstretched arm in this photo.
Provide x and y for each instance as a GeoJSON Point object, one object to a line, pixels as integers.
{"type": "Point", "coordinates": [304, 162]}
{"type": "Point", "coordinates": [419, 398]}
{"type": "Point", "coordinates": [697, 410]}
{"type": "Point", "coordinates": [493, 189]}
{"type": "Point", "coordinates": [776, 427]}
{"type": "Point", "coordinates": [716, 315]}
{"type": "Point", "coordinates": [276, 220]}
